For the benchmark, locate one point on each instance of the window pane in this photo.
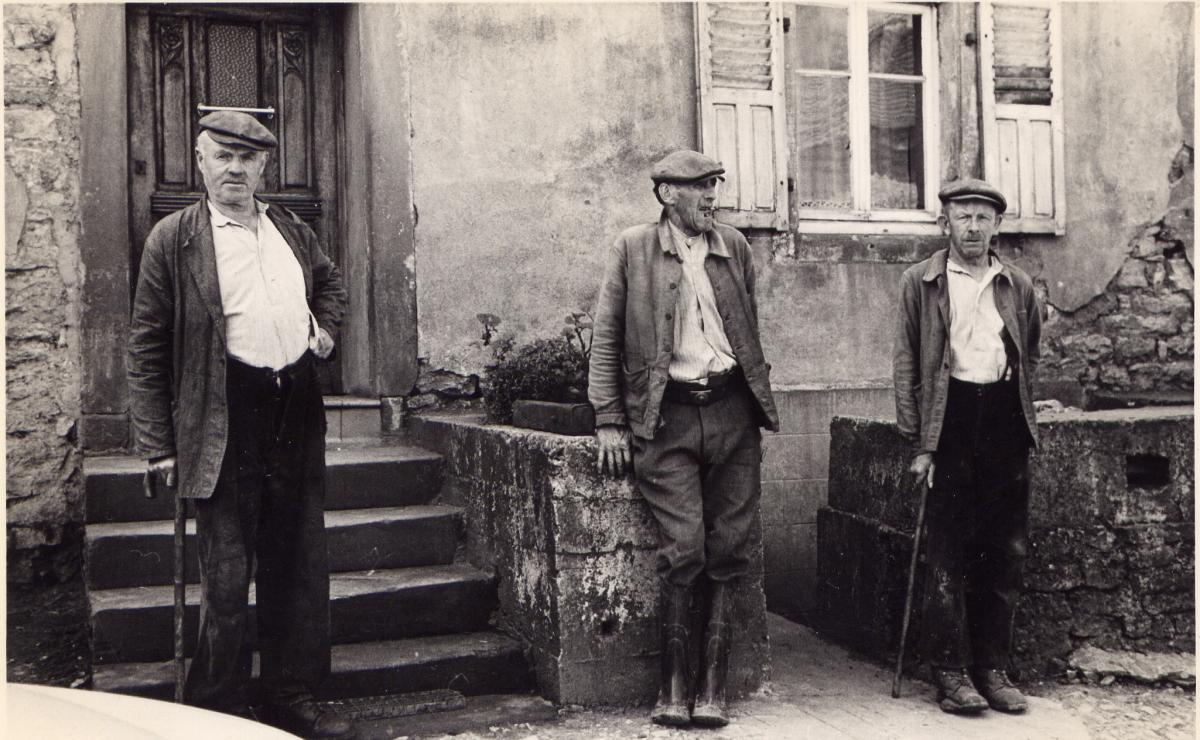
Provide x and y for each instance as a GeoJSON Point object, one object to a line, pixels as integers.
{"type": "Point", "coordinates": [232, 65]}
{"type": "Point", "coordinates": [821, 37]}
{"type": "Point", "coordinates": [823, 142]}
{"type": "Point", "coordinates": [894, 43]}
{"type": "Point", "coordinates": [897, 155]}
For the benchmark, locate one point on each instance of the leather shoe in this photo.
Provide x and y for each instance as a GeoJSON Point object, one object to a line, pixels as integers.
{"type": "Point", "coordinates": [307, 719]}
{"type": "Point", "coordinates": [956, 693]}
{"type": "Point", "coordinates": [999, 691]}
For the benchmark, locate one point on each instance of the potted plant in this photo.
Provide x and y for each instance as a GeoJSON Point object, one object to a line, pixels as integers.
{"type": "Point", "coordinates": [543, 384]}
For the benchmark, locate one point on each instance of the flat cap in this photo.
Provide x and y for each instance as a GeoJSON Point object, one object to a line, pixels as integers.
{"type": "Point", "coordinates": [234, 128]}
{"type": "Point", "coordinates": [973, 189]}
{"type": "Point", "coordinates": [685, 165]}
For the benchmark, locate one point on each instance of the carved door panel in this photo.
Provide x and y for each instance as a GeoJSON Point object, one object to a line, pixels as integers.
{"type": "Point", "coordinates": [248, 56]}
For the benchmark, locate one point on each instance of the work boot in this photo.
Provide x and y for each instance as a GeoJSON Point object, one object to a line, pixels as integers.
{"type": "Point", "coordinates": [306, 718]}
{"type": "Point", "coordinates": [710, 708]}
{"type": "Point", "coordinates": [674, 691]}
{"type": "Point", "coordinates": [999, 691]}
{"type": "Point", "coordinates": [956, 693]}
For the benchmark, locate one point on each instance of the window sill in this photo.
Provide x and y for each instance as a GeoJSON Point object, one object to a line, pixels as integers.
{"type": "Point", "coordinates": [901, 228]}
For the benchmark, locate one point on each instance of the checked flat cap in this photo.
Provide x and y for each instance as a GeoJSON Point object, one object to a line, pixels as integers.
{"type": "Point", "coordinates": [973, 189]}
{"type": "Point", "coordinates": [234, 128]}
{"type": "Point", "coordinates": [685, 165]}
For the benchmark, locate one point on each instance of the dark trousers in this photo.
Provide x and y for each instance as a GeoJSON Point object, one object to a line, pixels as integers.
{"type": "Point", "coordinates": [700, 476]}
{"type": "Point", "coordinates": [267, 511]}
{"type": "Point", "coordinates": [976, 528]}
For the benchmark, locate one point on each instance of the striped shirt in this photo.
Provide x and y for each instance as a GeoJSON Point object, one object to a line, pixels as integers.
{"type": "Point", "coordinates": [267, 321]}
{"type": "Point", "coordinates": [701, 347]}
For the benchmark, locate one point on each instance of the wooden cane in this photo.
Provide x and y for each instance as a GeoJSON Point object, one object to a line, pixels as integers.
{"type": "Point", "coordinates": [150, 489]}
{"type": "Point", "coordinates": [908, 594]}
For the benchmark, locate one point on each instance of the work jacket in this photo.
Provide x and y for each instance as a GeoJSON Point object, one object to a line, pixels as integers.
{"type": "Point", "coordinates": [921, 354]}
{"type": "Point", "coordinates": [177, 343]}
{"type": "Point", "coordinates": [634, 331]}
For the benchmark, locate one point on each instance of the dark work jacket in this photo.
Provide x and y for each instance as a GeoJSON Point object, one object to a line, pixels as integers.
{"type": "Point", "coordinates": [177, 339]}
{"type": "Point", "coordinates": [634, 332]}
{"type": "Point", "coordinates": [921, 353]}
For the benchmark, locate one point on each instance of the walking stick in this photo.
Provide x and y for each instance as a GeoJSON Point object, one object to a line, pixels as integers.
{"type": "Point", "coordinates": [150, 489]}
{"type": "Point", "coordinates": [908, 594]}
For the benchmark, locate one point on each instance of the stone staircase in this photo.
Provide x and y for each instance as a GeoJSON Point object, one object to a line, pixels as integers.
{"type": "Point", "coordinates": [406, 615]}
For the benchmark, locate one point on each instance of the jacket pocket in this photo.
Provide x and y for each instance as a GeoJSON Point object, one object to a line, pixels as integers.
{"type": "Point", "coordinates": [635, 385]}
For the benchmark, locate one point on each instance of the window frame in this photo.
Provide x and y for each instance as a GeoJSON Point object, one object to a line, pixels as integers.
{"type": "Point", "coordinates": [863, 218]}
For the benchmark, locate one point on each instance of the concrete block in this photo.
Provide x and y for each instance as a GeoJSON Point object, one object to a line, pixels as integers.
{"type": "Point", "coordinates": [872, 403]}
{"type": "Point", "coordinates": [804, 412]}
{"type": "Point", "coordinates": [104, 432]}
{"type": "Point", "coordinates": [360, 422]}
{"type": "Point", "coordinates": [795, 457]}
{"type": "Point", "coordinates": [573, 419]}
{"type": "Point", "coordinates": [792, 502]}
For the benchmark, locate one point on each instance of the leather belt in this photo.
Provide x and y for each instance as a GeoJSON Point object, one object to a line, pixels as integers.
{"type": "Point", "coordinates": [704, 394]}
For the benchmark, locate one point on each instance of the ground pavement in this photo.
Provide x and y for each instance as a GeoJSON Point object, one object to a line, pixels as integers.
{"type": "Point", "coordinates": [819, 690]}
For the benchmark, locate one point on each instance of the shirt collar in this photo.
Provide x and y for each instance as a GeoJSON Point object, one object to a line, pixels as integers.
{"type": "Point", "coordinates": [993, 269]}
{"type": "Point", "coordinates": [666, 231]}
{"type": "Point", "coordinates": [940, 261]}
{"type": "Point", "coordinates": [220, 219]}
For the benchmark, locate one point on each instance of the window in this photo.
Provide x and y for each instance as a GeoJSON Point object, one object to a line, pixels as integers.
{"type": "Point", "coordinates": [830, 109]}
{"type": "Point", "coordinates": [862, 95]}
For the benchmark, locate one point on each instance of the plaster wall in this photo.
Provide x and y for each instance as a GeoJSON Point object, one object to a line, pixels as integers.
{"type": "Point", "coordinates": [42, 276]}
{"type": "Point", "coordinates": [534, 128]}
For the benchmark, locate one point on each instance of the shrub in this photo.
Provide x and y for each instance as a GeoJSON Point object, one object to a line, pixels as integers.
{"type": "Point", "coordinates": [543, 370]}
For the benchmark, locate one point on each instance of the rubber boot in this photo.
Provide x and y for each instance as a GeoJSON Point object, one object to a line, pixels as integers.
{"type": "Point", "coordinates": [674, 692]}
{"type": "Point", "coordinates": [711, 708]}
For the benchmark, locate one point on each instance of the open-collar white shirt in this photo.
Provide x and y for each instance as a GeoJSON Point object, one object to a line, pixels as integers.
{"type": "Point", "coordinates": [976, 343]}
{"type": "Point", "coordinates": [701, 347]}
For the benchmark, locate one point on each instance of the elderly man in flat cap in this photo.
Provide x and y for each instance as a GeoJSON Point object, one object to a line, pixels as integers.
{"type": "Point", "coordinates": [965, 353]}
{"type": "Point", "coordinates": [235, 302]}
{"type": "Point", "coordinates": [680, 388]}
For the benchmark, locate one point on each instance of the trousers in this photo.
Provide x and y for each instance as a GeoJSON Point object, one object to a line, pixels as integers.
{"type": "Point", "coordinates": [977, 528]}
{"type": "Point", "coordinates": [700, 476]}
{"type": "Point", "coordinates": [266, 519]}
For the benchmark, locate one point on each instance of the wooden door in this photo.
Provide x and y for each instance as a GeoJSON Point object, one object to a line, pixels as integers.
{"type": "Point", "coordinates": [250, 56]}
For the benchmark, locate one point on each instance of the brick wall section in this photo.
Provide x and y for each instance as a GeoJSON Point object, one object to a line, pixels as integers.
{"type": "Point", "coordinates": [794, 486]}
{"type": "Point", "coordinates": [574, 558]}
{"type": "Point", "coordinates": [42, 276]}
{"type": "Point", "coordinates": [1111, 560]}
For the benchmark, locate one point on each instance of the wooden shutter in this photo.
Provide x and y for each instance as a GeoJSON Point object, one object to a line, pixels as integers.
{"type": "Point", "coordinates": [739, 55]}
{"type": "Point", "coordinates": [1021, 97]}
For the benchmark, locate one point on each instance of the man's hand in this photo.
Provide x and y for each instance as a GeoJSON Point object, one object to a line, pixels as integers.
{"type": "Point", "coordinates": [922, 468]}
{"type": "Point", "coordinates": [324, 344]}
{"type": "Point", "coordinates": [164, 468]}
{"type": "Point", "coordinates": [614, 451]}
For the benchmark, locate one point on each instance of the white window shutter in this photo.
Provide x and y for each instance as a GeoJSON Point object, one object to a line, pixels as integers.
{"type": "Point", "coordinates": [739, 61]}
{"type": "Point", "coordinates": [1021, 98]}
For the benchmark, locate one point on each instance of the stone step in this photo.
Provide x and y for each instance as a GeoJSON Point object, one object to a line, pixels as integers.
{"type": "Point", "coordinates": [473, 663]}
{"type": "Point", "coordinates": [357, 477]}
{"type": "Point", "coordinates": [127, 554]}
{"type": "Point", "coordinates": [352, 417]}
{"type": "Point", "coordinates": [135, 624]}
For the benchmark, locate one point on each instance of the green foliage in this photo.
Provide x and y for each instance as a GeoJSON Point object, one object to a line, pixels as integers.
{"type": "Point", "coordinates": [552, 369]}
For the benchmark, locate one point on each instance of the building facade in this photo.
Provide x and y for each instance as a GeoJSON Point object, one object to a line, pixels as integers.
{"type": "Point", "coordinates": [479, 159]}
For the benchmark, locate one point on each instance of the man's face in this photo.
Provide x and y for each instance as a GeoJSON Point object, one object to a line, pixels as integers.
{"type": "Point", "coordinates": [693, 203]}
{"type": "Point", "coordinates": [970, 224]}
{"type": "Point", "coordinates": [231, 173]}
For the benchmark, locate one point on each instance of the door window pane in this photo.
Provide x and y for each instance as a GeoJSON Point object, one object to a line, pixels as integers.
{"type": "Point", "coordinates": [893, 43]}
{"type": "Point", "coordinates": [823, 142]}
{"type": "Point", "coordinates": [821, 36]}
{"type": "Point", "coordinates": [233, 65]}
{"type": "Point", "coordinates": [897, 155]}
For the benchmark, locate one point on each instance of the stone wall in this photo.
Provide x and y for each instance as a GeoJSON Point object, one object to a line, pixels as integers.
{"type": "Point", "coordinates": [574, 557]}
{"type": "Point", "coordinates": [1111, 563]}
{"type": "Point", "coordinates": [42, 278]}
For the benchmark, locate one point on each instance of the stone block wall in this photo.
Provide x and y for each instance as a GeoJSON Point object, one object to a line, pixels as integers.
{"type": "Point", "coordinates": [573, 554]}
{"type": "Point", "coordinates": [42, 278]}
{"type": "Point", "coordinates": [794, 487]}
{"type": "Point", "coordinates": [1111, 563]}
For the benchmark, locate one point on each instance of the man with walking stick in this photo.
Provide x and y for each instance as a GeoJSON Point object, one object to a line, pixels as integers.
{"type": "Point", "coordinates": [235, 302]}
{"type": "Point", "coordinates": [965, 352]}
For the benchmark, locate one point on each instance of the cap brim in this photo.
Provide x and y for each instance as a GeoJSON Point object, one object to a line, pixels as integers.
{"type": "Point", "coordinates": [223, 138]}
{"type": "Point", "coordinates": [1000, 205]}
{"type": "Point", "coordinates": [719, 174]}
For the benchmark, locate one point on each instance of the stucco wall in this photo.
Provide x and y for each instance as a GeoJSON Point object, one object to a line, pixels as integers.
{"type": "Point", "coordinates": [42, 277]}
{"type": "Point", "coordinates": [534, 127]}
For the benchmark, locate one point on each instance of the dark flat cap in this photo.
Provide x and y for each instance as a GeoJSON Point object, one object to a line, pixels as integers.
{"type": "Point", "coordinates": [686, 165]}
{"type": "Point", "coordinates": [234, 128]}
{"type": "Point", "coordinates": [973, 189]}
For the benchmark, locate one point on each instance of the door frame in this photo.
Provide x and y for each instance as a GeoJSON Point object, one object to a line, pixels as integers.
{"type": "Point", "coordinates": [376, 214]}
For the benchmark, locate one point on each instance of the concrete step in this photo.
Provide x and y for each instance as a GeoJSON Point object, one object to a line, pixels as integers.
{"type": "Point", "coordinates": [352, 417]}
{"type": "Point", "coordinates": [128, 554]}
{"type": "Point", "coordinates": [357, 477]}
{"type": "Point", "coordinates": [135, 624]}
{"type": "Point", "coordinates": [473, 663]}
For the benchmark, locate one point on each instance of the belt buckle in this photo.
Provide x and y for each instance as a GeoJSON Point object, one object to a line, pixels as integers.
{"type": "Point", "coordinates": [702, 396]}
